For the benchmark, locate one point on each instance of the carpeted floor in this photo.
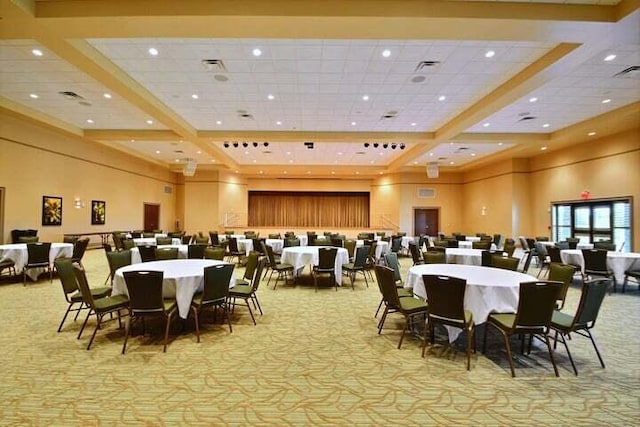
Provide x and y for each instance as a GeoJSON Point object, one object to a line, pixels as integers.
{"type": "Point", "coordinates": [313, 359]}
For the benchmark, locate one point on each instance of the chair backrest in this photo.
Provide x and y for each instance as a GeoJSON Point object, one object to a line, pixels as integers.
{"type": "Point", "coordinates": [196, 251]}
{"type": "Point", "coordinates": [216, 282]}
{"type": "Point", "coordinates": [214, 253]}
{"type": "Point", "coordinates": [145, 291]}
{"type": "Point", "coordinates": [135, 234]}
{"type": "Point", "coordinates": [482, 244]}
{"type": "Point", "coordinates": [79, 248]}
{"type": "Point", "coordinates": [274, 236]}
{"type": "Point", "coordinates": [506, 263]}
{"type": "Point", "coordinates": [163, 240]}
{"type": "Point", "coordinates": [257, 245]}
{"type": "Point", "coordinates": [106, 247]}
{"type": "Point", "coordinates": [554, 254]}
{"type": "Point", "coordinates": [290, 242]}
{"type": "Point", "coordinates": [453, 243]}
{"type": "Point", "coordinates": [250, 268]}
{"type": "Point", "coordinates": [186, 239]}
{"type": "Point", "coordinates": [38, 253]}
{"type": "Point", "coordinates": [385, 277]}
{"type": "Point", "coordinates": [497, 239]}
{"type": "Point", "coordinates": [270, 256]}
{"type": "Point", "coordinates": [337, 242]}
{"type": "Point", "coordinates": [289, 235]}
{"type": "Point", "coordinates": [541, 252]}
{"type": "Point", "coordinates": [372, 249]}
{"type": "Point", "coordinates": [595, 260]}
{"type": "Point", "coordinates": [542, 238]}
{"type": "Point", "coordinates": [562, 245]}
{"type": "Point", "coordinates": [434, 257]}
{"type": "Point", "coordinates": [396, 244]}
{"type": "Point", "coordinates": [523, 243]}
{"type": "Point", "coordinates": [445, 296]}
{"type": "Point", "coordinates": [509, 248]}
{"type": "Point", "coordinates": [166, 253]}
{"type": "Point", "coordinates": [148, 235]}
{"type": "Point", "coordinates": [147, 253]}
{"type": "Point", "coordinates": [415, 253]}
{"type": "Point", "coordinates": [215, 239]}
{"type": "Point", "coordinates": [64, 267]}
{"type": "Point", "coordinates": [487, 258]}
{"type": "Point", "coordinates": [327, 258]}
{"type": "Point", "coordinates": [350, 246]}
{"type": "Point", "coordinates": [201, 240]}
{"type": "Point", "coordinates": [361, 256]}
{"type": "Point", "coordinates": [573, 242]}
{"type": "Point", "coordinates": [128, 244]}
{"type": "Point", "coordinates": [562, 273]}
{"type": "Point", "coordinates": [117, 259]}
{"type": "Point", "coordinates": [69, 239]}
{"type": "Point", "coordinates": [257, 276]}
{"type": "Point", "coordinates": [442, 249]}
{"type": "Point", "coordinates": [607, 246]}
{"type": "Point", "coordinates": [593, 293]}
{"type": "Point", "coordinates": [391, 261]}
{"type": "Point", "coordinates": [83, 285]}
{"type": "Point", "coordinates": [509, 241]}
{"type": "Point", "coordinates": [527, 260]}
{"type": "Point", "coordinates": [233, 245]}
{"type": "Point", "coordinates": [460, 237]}
{"type": "Point", "coordinates": [536, 304]}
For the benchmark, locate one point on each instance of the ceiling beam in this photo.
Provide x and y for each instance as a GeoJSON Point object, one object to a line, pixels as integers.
{"type": "Point", "coordinates": [35, 116]}
{"type": "Point", "coordinates": [300, 136]}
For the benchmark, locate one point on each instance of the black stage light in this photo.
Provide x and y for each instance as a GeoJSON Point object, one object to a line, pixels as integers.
{"type": "Point", "coordinates": [385, 145]}
{"type": "Point", "coordinates": [402, 146]}
{"type": "Point", "coordinates": [245, 145]}
{"type": "Point", "coordinates": [393, 146]}
{"type": "Point", "coordinates": [255, 144]}
{"type": "Point", "coordinates": [226, 144]}
{"type": "Point", "coordinates": [266, 144]}
{"type": "Point", "coordinates": [366, 145]}
{"type": "Point", "coordinates": [235, 144]}
{"type": "Point", "coordinates": [375, 145]}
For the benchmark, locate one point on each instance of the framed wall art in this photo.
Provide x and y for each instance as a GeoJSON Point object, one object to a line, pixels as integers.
{"type": "Point", "coordinates": [98, 212]}
{"type": "Point", "coordinates": [51, 210]}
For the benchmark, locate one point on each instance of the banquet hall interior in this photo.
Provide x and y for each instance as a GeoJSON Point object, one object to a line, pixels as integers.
{"type": "Point", "coordinates": [414, 119]}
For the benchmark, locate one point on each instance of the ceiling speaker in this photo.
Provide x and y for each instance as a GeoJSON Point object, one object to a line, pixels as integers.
{"type": "Point", "coordinates": [189, 168]}
{"type": "Point", "coordinates": [432, 170]}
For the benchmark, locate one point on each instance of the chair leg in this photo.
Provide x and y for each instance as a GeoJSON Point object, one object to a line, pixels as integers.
{"type": "Point", "coordinates": [98, 321]}
{"type": "Point", "coordinates": [566, 346]}
{"type": "Point", "coordinates": [65, 316]}
{"type": "Point", "coordinates": [226, 313]}
{"type": "Point", "coordinates": [195, 316]}
{"type": "Point", "coordinates": [127, 328]}
{"type": "Point", "coordinates": [469, 339]}
{"type": "Point", "coordinates": [84, 323]}
{"type": "Point", "coordinates": [406, 325]}
{"type": "Point", "coordinates": [166, 332]}
{"type": "Point", "coordinates": [256, 302]}
{"type": "Point", "coordinates": [553, 360]}
{"type": "Point", "coordinates": [595, 348]}
{"type": "Point", "coordinates": [382, 319]}
{"type": "Point", "coordinates": [379, 307]}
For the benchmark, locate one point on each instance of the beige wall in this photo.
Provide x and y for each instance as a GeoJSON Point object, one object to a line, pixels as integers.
{"type": "Point", "coordinates": [36, 162]}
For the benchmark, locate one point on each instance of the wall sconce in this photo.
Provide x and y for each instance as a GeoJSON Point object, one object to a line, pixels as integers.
{"type": "Point", "coordinates": [78, 203]}
{"type": "Point", "coordinates": [483, 210]}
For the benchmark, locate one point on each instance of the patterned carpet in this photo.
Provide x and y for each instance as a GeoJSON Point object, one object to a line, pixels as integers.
{"type": "Point", "coordinates": [313, 359]}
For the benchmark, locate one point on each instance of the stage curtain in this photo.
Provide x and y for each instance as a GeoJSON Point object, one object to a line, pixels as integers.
{"type": "Point", "coordinates": [308, 209]}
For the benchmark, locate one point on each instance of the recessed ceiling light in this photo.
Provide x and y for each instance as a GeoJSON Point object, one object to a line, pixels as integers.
{"type": "Point", "coordinates": [543, 148]}
{"type": "Point", "coordinates": [382, 153]}
{"type": "Point", "coordinates": [254, 160]}
{"type": "Point", "coordinates": [270, 97]}
{"type": "Point", "coordinates": [246, 152]}
{"type": "Point", "coordinates": [386, 53]}
{"type": "Point", "coordinates": [353, 123]}
{"type": "Point", "coordinates": [473, 154]}
{"type": "Point", "coordinates": [153, 51]}
{"type": "Point", "coordinates": [533, 99]}
{"type": "Point", "coordinates": [290, 161]}
{"type": "Point", "coordinates": [606, 101]}
{"type": "Point", "coordinates": [285, 172]}
{"type": "Point", "coordinates": [37, 52]}
{"type": "Point", "coordinates": [380, 173]}
{"type": "Point", "coordinates": [610, 57]}
{"type": "Point", "coordinates": [178, 161]}
{"type": "Point", "coordinates": [591, 133]}
{"type": "Point", "coordinates": [256, 52]}
{"type": "Point", "coordinates": [546, 125]}
{"type": "Point", "coordinates": [157, 151]}
{"type": "Point", "coordinates": [372, 161]}
{"type": "Point", "coordinates": [33, 95]}
{"type": "Point", "coordinates": [415, 162]}
{"type": "Point", "coordinates": [365, 97]}
{"type": "Point", "coordinates": [133, 140]}
{"type": "Point", "coordinates": [486, 124]}
{"type": "Point", "coordinates": [452, 163]}
{"type": "Point", "coordinates": [89, 121]}
{"type": "Point", "coordinates": [195, 96]}
{"type": "Point", "coordinates": [260, 172]}
{"type": "Point", "coordinates": [357, 173]}
{"type": "Point", "coordinates": [213, 160]}
{"type": "Point", "coordinates": [236, 171]}
{"type": "Point", "coordinates": [288, 153]}
{"type": "Point", "coordinates": [489, 54]}
{"type": "Point", "coordinates": [333, 172]}
{"type": "Point", "coordinates": [430, 154]}
{"type": "Point", "coordinates": [500, 144]}
{"type": "Point", "coordinates": [413, 124]}
{"type": "Point", "coordinates": [442, 98]}
{"type": "Point", "coordinates": [149, 122]}
{"type": "Point", "coordinates": [278, 122]}
{"type": "Point", "coordinates": [339, 153]}
{"type": "Point", "coordinates": [218, 122]}
{"type": "Point", "coordinates": [107, 95]}
{"type": "Point", "coordinates": [198, 152]}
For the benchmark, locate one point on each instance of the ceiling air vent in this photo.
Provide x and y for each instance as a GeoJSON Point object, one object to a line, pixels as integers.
{"type": "Point", "coordinates": [389, 115]}
{"type": "Point", "coordinates": [527, 118]}
{"type": "Point", "coordinates": [426, 64]}
{"type": "Point", "coordinates": [246, 116]}
{"type": "Point", "coordinates": [72, 96]}
{"type": "Point", "coordinates": [461, 150]}
{"type": "Point", "coordinates": [633, 72]}
{"type": "Point", "coordinates": [214, 65]}
{"type": "Point", "coordinates": [426, 193]}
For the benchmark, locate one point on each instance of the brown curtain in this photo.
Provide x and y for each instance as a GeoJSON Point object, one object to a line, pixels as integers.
{"type": "Point", "coordinates": [308, 209]}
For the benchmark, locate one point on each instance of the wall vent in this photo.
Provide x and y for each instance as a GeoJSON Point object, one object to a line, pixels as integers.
{"type": "Point", "coordinates": [214, 65]}
{"type": "Point", "coordinates": [633, 72]}
{"type": "Point", "coordinates": [168, 189]}
{"type": "Point", "coordinates": [72, 96]}
{"type": "Point", "coordinates": [426, 64]}
{"type": "Point", "coordinates": [426, 193]}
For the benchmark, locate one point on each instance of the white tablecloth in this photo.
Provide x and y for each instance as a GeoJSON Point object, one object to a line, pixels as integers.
{"type": "Point", "coordinates": [618, 262]}
{"type": "Point", "coordinates": [406, 240]}
{"type": "Point", "coordinates": [183, 252]}
{"type": "Point", "coordinates": [17, 252]}
{"type": "Point", "coordinates": [472, 239]}
{"type": "Point", "coordinates": [277, 244]}
{"type": "Point", "coordinates": [181, 280]}
{"type": "Point", "coordinates": [299, 256]}
{"type": "Point", "coordinates": [464, 256]}
{"type": "Point", "coordinates": [382, 247]}
{"type": "Point", "coordinates": [151, 241]}
{"type": "Point", "coordinates": [489, 290]}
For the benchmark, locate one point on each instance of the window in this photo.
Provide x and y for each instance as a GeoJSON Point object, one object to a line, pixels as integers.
{"type": "Point", "coordinates": [593, 221]}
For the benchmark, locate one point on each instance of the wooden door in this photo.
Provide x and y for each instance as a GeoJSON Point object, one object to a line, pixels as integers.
{"type": "Point", "coordinates": [426, 221]}
{"type": "Point", "coordinates": [151, 216]}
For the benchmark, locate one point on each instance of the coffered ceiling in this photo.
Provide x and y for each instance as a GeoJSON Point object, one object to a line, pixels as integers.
{"type": "Point", "coordinates": [371, 87]}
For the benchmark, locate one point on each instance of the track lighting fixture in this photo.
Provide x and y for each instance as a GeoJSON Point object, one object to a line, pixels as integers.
{"type": "Point", "coordinates": [385, 145]}
{"type": "Point", "coordinates": [244, 144]}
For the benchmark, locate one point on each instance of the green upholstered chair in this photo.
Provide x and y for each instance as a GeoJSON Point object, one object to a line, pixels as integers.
{"type": "Point", "coordinates": [482, 244]}
{"type": "Point", "coordinates": [393, 303]}
{"type": "Point", "coordinates": [201, 240]}
{"type": "Point", "coordinates": [562, 273]}
{"type": "Point", "coordinates": [505, 262]}
{"type": "Point", "coordinates": [148, 235]}
{"type": "Point", "coordinates": [166, 254]}
{"type": "Point", "coordinates": [275, 236]}
{"type": "Point", "coordinates": [234, 250]}
{"type": "Point", "coordinates": [434, 257]}
{"type": "Point", "coordinates": [584, 319]}
{"type": "Point", "coordinates": [37, 257]}
{"type": "Point", "coordinates": [28, 239]}
{"type": "Point", "coordinates": [326, 265]}
{"type": "Point", "coordinates": [350, 246]}
{"type": "Point", "coordinates": [214, 293]}
{"type": "Point", "coordinates": [631, 274]}
{"type": "Point", "coordinates": [595, 265]}
{"type": "Point", "coordinates": [117, 259]}
{"type": "Point", "coordinates": [357, 266]}
{"type": "Point", "coordinates": [283, 269]}
{"type": "Point", "coordinates": [79, 248]}
{"type": "Point", "coordinates": [147, 253]}
{"type": "Point", "coordinates": [249, 291]}
{"type": "Point", "coordinates": [214, 253]}
{"type": "Point", "coordinates": [605, 245]}
{"type": "Point", "coordinates": [196, 251]}
{"type": "Point", "coordinates": [415, 253]}
{"type": "Point", "coordinates": [146, 300]}
{"type": "Point", "coordinates": [65, 269]}
{"type": "Point", "coordinates": [250, 269]}
{"type": "Point", "coordinates": [533, 316]}
{"type": "Point", "coordinates": [186, 239]}
{"type": "Point", "coordinates": [8, 264]}
{"type": "Point", "coordinates": [69, 239]}
{"type": "Point", "coordinates": [391, 261]}
{"type": "Point", "coordinates": [509, 248]}
{"type": "Point", "coordinates": [128, 244]}
{"type": "Point", "coordinates": [163, 241]}
{"type": "Point", "coordinates": [98, 306]}
{"type": "Point", "coordinates": [445, 296]}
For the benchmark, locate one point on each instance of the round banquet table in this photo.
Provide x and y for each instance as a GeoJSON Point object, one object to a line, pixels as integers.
{"type": "Point", "coordinates": [183, 252]}
{"type": "Point", "coordinates": [182, 279]}
{"type": "Point", "coordinates": [489, 290]}
{"type": "Point", "coordinates": [464, 256]}
{"type": "Point", "coordinates": [299, 256]}
{"type": "Point", "coordinates": [17, 252]}
{"type": "Point", "coordinates": [151, 241]}
{"type": "Point", "coordinates": [382, 247]}
{"type": "Point", "coordinates": [618, 262]}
